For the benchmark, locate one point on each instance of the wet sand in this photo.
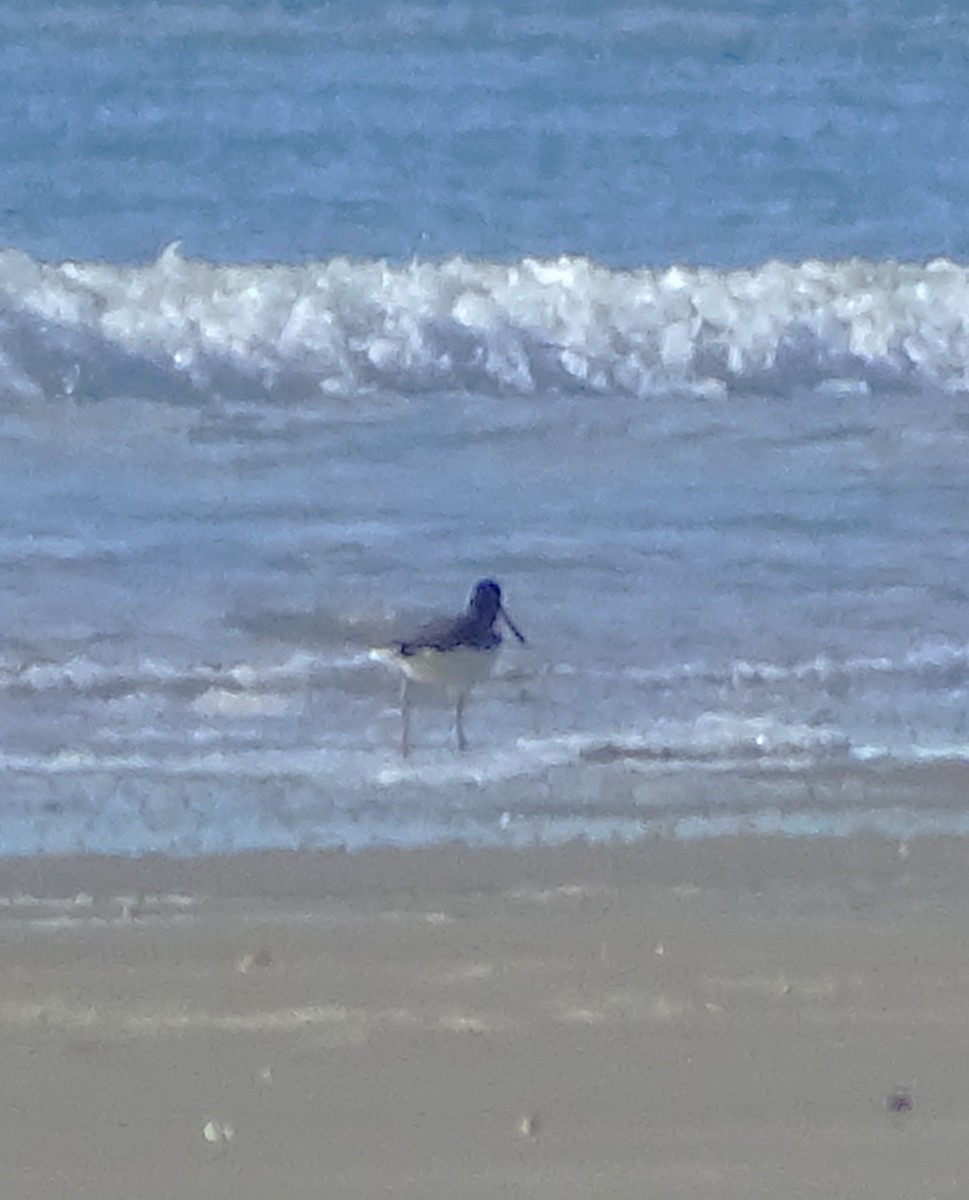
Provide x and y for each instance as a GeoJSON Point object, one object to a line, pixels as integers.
{"type": "Point", "coordinates": [740, 1019]}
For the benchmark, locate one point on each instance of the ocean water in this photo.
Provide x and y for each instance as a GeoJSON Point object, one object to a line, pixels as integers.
{"type": "Point", "coordinates": [312, 314]}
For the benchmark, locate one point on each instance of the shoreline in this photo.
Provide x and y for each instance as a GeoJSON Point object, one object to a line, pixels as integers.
{"type": "Point", "coordinates": [735, 865]}
{"type": "Point", "coordinates": [615, 803]}
{"type": "Point", "coordinates": [738, 1019]}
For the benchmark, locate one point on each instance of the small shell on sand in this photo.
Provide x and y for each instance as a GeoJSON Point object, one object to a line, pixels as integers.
{"type": "Point", "coordinates": [899, 1101]}
{"type": "Point", "coordinates": [261, 960]}
{"type": "Point", "coordinates": [218, 1133]}
{"type": "Point", "coordinates": [528, 1126]}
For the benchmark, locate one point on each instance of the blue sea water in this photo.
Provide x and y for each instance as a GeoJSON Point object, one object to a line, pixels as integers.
{"type": "Point", "coordinates": [311, 314]}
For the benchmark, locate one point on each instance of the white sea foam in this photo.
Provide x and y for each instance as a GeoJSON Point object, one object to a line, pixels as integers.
{"type": "Point", "coordinates": [85, 674]}
{"type": "Point", "coordinates": [924, 659]}
{"type": "Point", "coordinates": [184, 328]}
{"type": "Point", "coordinates": [713, 738]}
{"type": "Point", "coordinates": [221, 702]}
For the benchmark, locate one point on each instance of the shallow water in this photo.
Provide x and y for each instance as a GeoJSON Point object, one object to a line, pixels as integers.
{"type": "Point", "coordinates": [191, 669]}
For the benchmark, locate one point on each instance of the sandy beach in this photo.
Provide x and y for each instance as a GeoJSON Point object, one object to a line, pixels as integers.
{"type": "Point", "coordinates": [747, 1018]}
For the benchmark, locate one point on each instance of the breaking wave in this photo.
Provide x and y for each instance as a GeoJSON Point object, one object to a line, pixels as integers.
{"type": "Point", "coordinates": [181, 330]}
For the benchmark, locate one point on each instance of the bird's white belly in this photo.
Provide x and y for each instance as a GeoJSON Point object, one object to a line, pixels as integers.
{"type": "Point", "coordinates": [460, 667]}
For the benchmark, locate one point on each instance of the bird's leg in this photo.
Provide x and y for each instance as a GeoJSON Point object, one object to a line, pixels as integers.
{"type": "Point", "coordinates": [405, 718]}
{"type": "Point", "coordinates": [459, 720]}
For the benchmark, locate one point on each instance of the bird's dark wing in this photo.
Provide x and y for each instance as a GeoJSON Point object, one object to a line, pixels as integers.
{"type": "Point", "coordinates": [448, 633]}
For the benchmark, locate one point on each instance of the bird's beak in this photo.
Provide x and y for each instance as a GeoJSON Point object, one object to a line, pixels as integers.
{"type": "Point", "coordinates": [511, 625]}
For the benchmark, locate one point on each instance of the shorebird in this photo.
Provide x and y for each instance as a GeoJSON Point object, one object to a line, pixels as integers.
{"type": "Point", "coordinates": [451, 652]}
